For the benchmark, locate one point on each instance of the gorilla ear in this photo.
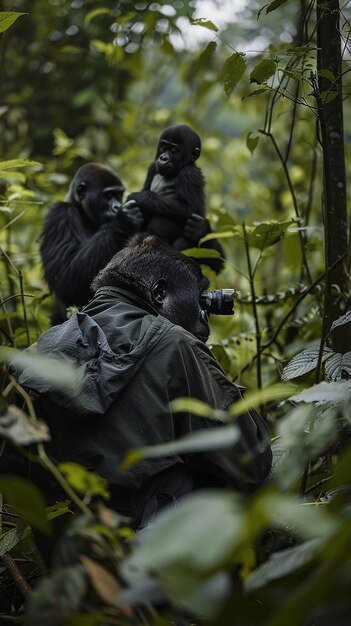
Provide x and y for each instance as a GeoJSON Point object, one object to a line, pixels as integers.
{"type": "Point", "coordinates": [158, 291]}
{"type": "Point", "coordinates": [195, 154]}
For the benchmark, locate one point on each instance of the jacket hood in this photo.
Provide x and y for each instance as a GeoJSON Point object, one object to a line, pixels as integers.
{"type": "Point", "coordinates": [106, 365]}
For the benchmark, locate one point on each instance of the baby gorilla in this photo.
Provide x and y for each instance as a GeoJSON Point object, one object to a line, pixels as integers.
{"type": "Point", "coordinates": [174, 187]}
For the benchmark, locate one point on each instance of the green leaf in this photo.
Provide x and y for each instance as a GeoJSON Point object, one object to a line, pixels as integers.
{"type": "Point", "coordinates": [17, 163]}
{"type": "Point", "coordinates": [327, 74]}
{"type": "Point", "coordinates": [27, 500]}
{"type": "Point", "coordinates": [17, 427]}
{"type": "Point", "coordinates": [304, 362]}
{"type": "Point", "coordinates": [336, 365]}
{"type": "Point", "coordinates": [262, 71]}
{"type": "Point", "coordinates": [202, 253]}
{"type": "Point", "coordinates": [252, 141]}
{"type": "Point", "coordinates": [304, 434]}
{"type": "Point", "coordinates": [328, 96]}
{"type": "Point", "coordinates": [325, 393]}
{"type": "Point", "coordinates": [58, 509]}
{"type": "Point", "coordinates": [233, 69]}
{"type": "Point", "coordinates": [48, 370]}
{"type": "Point", "coordinates": [282, 564]}
{"type": "Point", "coordinates": [7, 18]}
{"type": "Point", "coordinates": [199, 441]}
{"type": "Point", "coordinates": [193, 406]}
{"type": "Point", "coordinates": [187, 544]}
{"type": "Point", "coordinates": [202, 21]}
{"type": "Point", "coordinates": [257, 92]}
{"type": "Point", "coordinates": [267, 234]}
{"type": "Point", "coordinates": [92, 14]}
{"type": "Point", "coordinates": [205, 55]}
{"type": "Point", "coordinates": [344, 319]}
{"type": "Point", "coordinates": [261, 396]}
{"type": "Point", "coordinates": [272, 6]}
{"type": "Point", "coordinates": [84, 481]}
{"type": "Point", "coordinates": [221, 235]}
{"type": "Point", "coordinates": [11, 538]}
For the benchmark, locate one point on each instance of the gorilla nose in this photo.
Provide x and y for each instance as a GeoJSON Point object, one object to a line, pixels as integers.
{"type": "Point", "coordinates": [115, 206]}
{"type": "Point", "coordinates": [164, 158]}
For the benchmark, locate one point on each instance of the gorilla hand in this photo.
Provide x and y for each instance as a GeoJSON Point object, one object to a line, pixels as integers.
{"type": "Point", "coordinates": [131, 213]}
{"type": "Point", "coordinates": [195, 228]}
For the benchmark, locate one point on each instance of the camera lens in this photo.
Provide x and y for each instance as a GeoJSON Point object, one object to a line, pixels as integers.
{"type": "Point", "coordinates": [218, 302]}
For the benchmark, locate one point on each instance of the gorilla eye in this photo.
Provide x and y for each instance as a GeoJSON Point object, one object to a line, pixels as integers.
{"type": "Point", "coordinates": [174, 149]}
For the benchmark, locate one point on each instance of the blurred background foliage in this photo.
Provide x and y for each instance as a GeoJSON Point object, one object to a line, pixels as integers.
{"type": "Point", "coordinates": [98, 81]}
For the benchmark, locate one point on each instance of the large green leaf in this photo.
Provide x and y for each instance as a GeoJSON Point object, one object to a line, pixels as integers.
{"type": "Point", "coordinates": [17, 163]}
{"type": "Point", "coordinates": [233, 69]}
{"type": "Point", "coordinates": [263, 71]}
{"type": "Point", "coordinates": [187, 544]}
{"type": "Point", "coordinates": [336, 365]}
{"type": "Point", "coordinates": [199, 441]}
{"type": "Point", "coordinates": [267, 234]}
{"type": "Point", "coordinates": [56, 372]}
{"type": "Point", "coordinates": [325, 393]}
{"type": "Point", "coordinates": [254, 398]}
{"type": "Point", "coordinates": [7, 18]}
{"type": "Point", "coordinates": [344, 319]}
{"type": "Point", "coordinates": [282, 564]}
{"type": "Point", "coordinates": [27, 500]}
{"type": "Point", "coordinates": [205, 55]}
{"type": "Point", "coordinates": [304, 362]}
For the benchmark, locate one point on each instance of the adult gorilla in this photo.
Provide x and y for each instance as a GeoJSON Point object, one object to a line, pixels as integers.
{"type": "Point", "coordinates": [81, 234]}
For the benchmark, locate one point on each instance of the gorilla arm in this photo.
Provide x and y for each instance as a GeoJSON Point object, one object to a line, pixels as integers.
{"type": "Point", "coordinates": [73, 254]}
{"type": "Point", "coordinates": [188, 196]}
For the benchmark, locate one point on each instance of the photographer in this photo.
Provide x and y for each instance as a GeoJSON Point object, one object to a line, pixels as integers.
{"type": "Point", "coordinates": [141, 343]}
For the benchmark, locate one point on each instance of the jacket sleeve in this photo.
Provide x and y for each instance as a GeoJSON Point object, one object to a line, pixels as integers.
{"type": "Point", "coordinates": [247, 463]}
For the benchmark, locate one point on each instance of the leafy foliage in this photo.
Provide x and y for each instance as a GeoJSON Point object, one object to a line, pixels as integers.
{"type": "Point", "coordinates": [282, 555]}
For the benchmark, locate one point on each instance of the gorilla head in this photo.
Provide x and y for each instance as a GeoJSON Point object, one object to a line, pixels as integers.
{"type": "Point", "coordinates": [169, 281]}
{"type": "Point", "coordinates": [178, 146]}
{"type": "Point", "coordinates": [97, 191]}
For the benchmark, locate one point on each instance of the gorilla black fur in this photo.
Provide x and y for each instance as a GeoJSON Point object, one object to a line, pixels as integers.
{"type": "Point", "coordinates": [174, 188]}
{"type": "Point", "coordinates": [81, 234]}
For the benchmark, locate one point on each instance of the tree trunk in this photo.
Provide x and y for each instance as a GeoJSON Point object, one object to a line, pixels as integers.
{"type": "Point", "coordinates": [330, 109]}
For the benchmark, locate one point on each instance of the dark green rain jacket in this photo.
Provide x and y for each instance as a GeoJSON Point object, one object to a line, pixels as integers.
{"type": "Point", "coordinates": [135, 363]}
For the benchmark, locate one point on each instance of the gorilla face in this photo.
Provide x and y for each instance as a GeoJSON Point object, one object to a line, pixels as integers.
{"type": "Point", "coordinates": [180, 303]}
{"type": "Point", "coordinates": [178, 146]}
{"type": "Point", "coordinates": [98, 191]}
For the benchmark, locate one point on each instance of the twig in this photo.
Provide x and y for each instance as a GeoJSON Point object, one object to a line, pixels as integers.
{"type": "Point", "coordinates": [20, 581]}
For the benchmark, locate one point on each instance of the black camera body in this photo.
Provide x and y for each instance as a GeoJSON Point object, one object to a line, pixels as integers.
{"type": "Point", "coordinates": [218, 302]}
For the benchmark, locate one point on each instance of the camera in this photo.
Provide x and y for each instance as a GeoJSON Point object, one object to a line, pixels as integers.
{"type": "Point", "coordinates": [218, 302]}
